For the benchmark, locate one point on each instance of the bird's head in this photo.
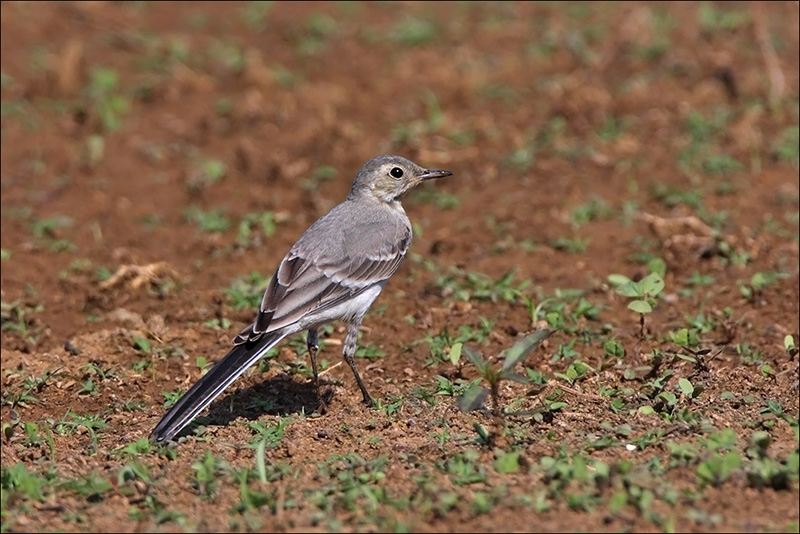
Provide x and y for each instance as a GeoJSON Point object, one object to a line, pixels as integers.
{"type": "Point", "coordinates": [387, 178]}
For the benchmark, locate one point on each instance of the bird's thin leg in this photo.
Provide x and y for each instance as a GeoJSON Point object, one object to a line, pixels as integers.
{"type": "Point", "coordinates": [313, 347]}
{"type": "Point", "coordinates": [350, 351]}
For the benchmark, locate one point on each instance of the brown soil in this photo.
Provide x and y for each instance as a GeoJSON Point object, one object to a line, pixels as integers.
{"type": "Point", "coordinates": [475, 88]}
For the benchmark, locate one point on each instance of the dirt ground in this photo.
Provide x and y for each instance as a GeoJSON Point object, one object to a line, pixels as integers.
{"type": "Point", "coordinates": [159, 159]}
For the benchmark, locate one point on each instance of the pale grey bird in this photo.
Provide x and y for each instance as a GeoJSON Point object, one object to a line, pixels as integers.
{"type": "Point", "coordinates": [335, 271]}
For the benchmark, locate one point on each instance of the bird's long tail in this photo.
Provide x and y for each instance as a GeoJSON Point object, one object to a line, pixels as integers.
{"type": "Point", "coordinates": [208, 388]}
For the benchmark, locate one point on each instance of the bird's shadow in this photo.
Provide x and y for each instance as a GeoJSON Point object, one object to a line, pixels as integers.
{"type": "Point", "coordinates": [279, 395]}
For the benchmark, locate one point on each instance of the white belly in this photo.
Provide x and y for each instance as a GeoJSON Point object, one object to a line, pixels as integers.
{"type": "Point", "coordinates": [344, 311]}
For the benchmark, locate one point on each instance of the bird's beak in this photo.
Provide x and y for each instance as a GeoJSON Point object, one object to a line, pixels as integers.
{"type": "Point", "coordinates": [430, 174]}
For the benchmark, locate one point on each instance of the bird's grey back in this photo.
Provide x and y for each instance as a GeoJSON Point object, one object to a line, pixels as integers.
{"type": "Point", "coordinates": [355, 229]}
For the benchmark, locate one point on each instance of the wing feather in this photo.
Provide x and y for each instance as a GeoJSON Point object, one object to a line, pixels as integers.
{"type": "Point", "coordinates": [322, 271]}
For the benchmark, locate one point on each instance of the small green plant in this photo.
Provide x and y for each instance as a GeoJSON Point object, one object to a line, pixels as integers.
{"type": "Point", "coordinates": [576, 371]}
{"type": "Point", "coordinates": [46, 231]}
{"type": "Point", "coordinates": [136, 448]}
{"type": "Point", "coordinates": [466, 285]}
{"type": "Point", "coordinates": [213, 221]}
{"type": "Point", "coordinates": [643, 292]}
{"type": "Point", "coordinates": [253, 227]}
{"type": "Point", "coordinates": [572, 245]}
{"type": "Point", "coordinates": [23, 395]}
{"type": "Point", "coordinates": [104, 96]}
{"type": "Point", "coordinates": [594, 209]}
{"type": "Point", "coordinates": [206, 173]}
{"type": "Point", "coordinates": [247, 291]}
{"type": "Point", "coordinates": [446, 346]}
{"type": "Point", "coordinates": [758, 283]}
{"type": "Point", "coordinates": [16, 317]}
{"type": "Point", "coordinates": [207, 469]}
{"type": "Point", "coordinates": [474, 396]}
{"type": "Point", "coordinates": [91, 422]}
{"type": "Point", "coordinates": [17, 481]}
{"type": "Point", "coordinates": [413, 31]}
{"type": "Point", "coordinates": [685, 338]}
{"type": "Point", "coordinates": [785, 148]}
{"type": "Point", "coordinates": [323, 173]}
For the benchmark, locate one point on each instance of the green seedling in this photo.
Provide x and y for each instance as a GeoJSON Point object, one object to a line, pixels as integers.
{"type": "Point", "coordinates": [18, 482]}
{"type": "Point", "coordinates": [207, 469]}
{"type": "Point", "coordinates": [321, 174]}
{"type": "Point", "coordinates": [413, 31]}
{"type": "Point", "coordinates": [30, 384]}
{"type": "Point", "coordinates": [758, 283]}
{"type": "Point", "coordinates": [206, 173]}
{"type": "Point", "coordinates": [136, 448]}
{"type": "Point", "coordinates": [313, 37]}
{"type": "Point", "coordinates": [246, 292]}
{"type": "Point", "coordinates": [213, 221]}
{"type": "Point", "coordinates": [594, 209]}
{"type": "Point", "coordinates": [103, 93]}
{"type": "Point", "coordinates": [576, 371]}
{"type": "Point", "coordinates": [266, 437]}
{"type": "Point", "coordinates": [474, 396]}
{"type": "Point", "coordinates": [643, 291]}
{"type": "Point", "coordinates": [72, 422]}
{"type": "Point", "coordinates": [91, 487]}
{"type": "Point", "coordinates": [785, 148]}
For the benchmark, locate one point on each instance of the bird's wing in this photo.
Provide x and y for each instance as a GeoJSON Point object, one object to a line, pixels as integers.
{"type": "Point", "coordinates": [321, 272]}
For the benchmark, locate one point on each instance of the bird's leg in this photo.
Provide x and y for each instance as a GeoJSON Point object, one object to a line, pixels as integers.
{"type": "Point", "coordinates": [313, 347]}
{"type": "Point", "coordinates": [350, 351]}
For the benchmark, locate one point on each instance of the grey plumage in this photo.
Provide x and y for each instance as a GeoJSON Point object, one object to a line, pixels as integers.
{"type": "Point", "coordinates": [334, 272]}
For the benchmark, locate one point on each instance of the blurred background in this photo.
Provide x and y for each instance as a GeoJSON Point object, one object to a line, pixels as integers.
{"type": "Point", "coordinates": [138, 132]}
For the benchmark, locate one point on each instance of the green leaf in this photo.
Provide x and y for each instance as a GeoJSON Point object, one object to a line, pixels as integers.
{"type": "Point", "coordinates": [142, 344]}
{"type": "Point", "coordinates": [474, 358]}
{"type": "Point", "coordinates": [685, 338]}
{"type": "Point", "coordinates": [669, 397]}
{"type": "Point", "coordinates": [760, 440]}
{"type": "Point", "coordinates": [261, 463]}
{"type": "Point", "coordinates": [612, 347]}
{"type": "Point", "coordinates": [522, 348]}
{"type": "Point", "coordinates": [652, 284]}
{"type": "Point", "coordinates": [630, 289]}
{"type": "Point", "coordinates": [516, 377]}
{"type": "Point", "coordinates": [455, 353]}
{"type": "Point", "coordinates": [472, 398]}
{"type": "Point", "coordinates": [657, 266]}
{"type": "Point", "coordinates": [618, 501]}
{"type": "Point", "coordinates": [617, 280]}
{"type": "Point", "coordinates": [507, 462]}
{"type": "Point", "coordinates": [686, 387]}
{"type": "Point", "coordinates": [640, 306]}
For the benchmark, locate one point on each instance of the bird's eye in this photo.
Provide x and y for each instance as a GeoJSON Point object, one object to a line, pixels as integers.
{"type": "Point", "coordinates": [397, 172]}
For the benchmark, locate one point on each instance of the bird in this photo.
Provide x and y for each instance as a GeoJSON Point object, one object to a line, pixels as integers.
{"type": "Point", "coordinates": [335, 271]}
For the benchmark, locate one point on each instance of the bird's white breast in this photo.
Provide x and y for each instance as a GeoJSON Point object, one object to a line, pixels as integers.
{"type": "Point", "coordinates": [344, 311]}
